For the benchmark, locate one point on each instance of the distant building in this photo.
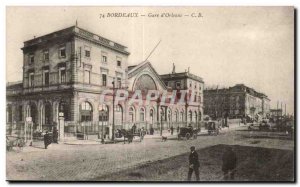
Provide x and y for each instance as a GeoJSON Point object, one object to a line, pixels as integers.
{"type": "Point", "coordinates": [235, 102]}
{"type": "Point", "coordinates": [276, 112]}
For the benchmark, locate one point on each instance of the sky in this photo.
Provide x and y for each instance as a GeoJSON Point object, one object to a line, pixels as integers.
{"type": "Point", "coordinates": [226, 46]}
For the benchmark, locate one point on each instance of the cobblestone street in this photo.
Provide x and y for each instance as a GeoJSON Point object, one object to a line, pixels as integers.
{"type": "Point", "coordinates": [87, 162]}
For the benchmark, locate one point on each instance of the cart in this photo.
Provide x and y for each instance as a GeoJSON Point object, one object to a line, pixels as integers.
{"type": "Point", "coordinates": [187, 132]}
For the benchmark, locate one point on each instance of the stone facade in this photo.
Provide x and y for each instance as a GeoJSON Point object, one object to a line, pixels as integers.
{"type": "Point", "coordinates": [235, 102]}
{"type": "Point", "coordinates": [67, 71]}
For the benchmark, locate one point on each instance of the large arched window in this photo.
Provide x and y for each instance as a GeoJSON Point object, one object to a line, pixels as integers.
{"type": "Point", "coordinates": [131, 114]}
{"type": "Point", "coordinates": [103, 116]}
{"type": "Point", "coordinates": [86, 111]}
{"type": "Point", "coordinates": [169, 114]}
{"type": "Point", "coordinates": [145, 83]}
{"type": "Point", "coordinates": [181, 116]}
{"type": "Point", "coordinates": [151, 115]}
{"type": "Point", "coordinates": [142, 114]}
{"type": "Point", "coordinates": [190, 116]}
{"type": "Point", "coordinates": [47, 114]}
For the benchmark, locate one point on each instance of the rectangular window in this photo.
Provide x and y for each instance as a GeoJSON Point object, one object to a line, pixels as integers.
{"type": "Point", "coordinates": [104, 76]}
{"type": "Point", "coordinates": [87, 77]}
{"type": "Point", "coordinates": [119, 63]}
{"type": "Point", "coordinates": [46, 77]}
{"type": "Point", "coordinates": [62, 52]}
{"type": "Point", "coordinates": [104, 59]}
{"type": "Point", "coordinates": [46, 55]}
{"type": "Point", "coordinates": [87, 53]}
{"type": "Point", "coordinates": [119, 82]}
{"type": "Point", "coordinates": [31, 59]}
{"type": "Point", "coordinates": [62, 73]}
{"type": "Point", "coordinates": [31, 79]}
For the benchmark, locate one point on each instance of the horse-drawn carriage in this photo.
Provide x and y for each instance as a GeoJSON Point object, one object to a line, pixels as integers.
{"type": "Point", "coordinates": [187, 132]}
{"type": "Point", "coordinates": [14, 142]}
{"type": "Point", "coordinates": [212, 128]}
{"type": "Point", "coordinates": [129, 135]}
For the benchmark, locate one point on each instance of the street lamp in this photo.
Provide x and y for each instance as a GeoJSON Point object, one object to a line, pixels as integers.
{"type": "Point", "coordinates": [102, 131]}
{"type": "Point", "coordinates": [113, 110]}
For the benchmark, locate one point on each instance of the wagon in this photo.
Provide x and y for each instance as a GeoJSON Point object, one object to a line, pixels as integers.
{"type": "Point", "coordinates": [129, 135]}
{"type": "Point", "coordinates": [212, 128]}
{"type": "Point", "coordinates": [187, 132]}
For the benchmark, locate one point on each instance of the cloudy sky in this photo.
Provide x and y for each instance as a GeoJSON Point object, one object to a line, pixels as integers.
{"type": "Point", "coordinates": [227, 46]}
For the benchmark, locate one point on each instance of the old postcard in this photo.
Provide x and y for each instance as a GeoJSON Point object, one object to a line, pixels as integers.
{"type": "Point", "coordinates": [150, 94]}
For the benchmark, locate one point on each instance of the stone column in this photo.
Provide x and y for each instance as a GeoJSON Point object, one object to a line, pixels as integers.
{"type": "Point", "coordinates": [61, 129]}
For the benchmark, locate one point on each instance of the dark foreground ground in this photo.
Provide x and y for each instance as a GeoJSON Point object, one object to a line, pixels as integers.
{"type": "Point", "coordinates": [254, 164]}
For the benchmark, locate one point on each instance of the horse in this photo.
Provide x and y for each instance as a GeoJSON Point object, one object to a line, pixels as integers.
{"type": "Point", "coordinates": [127, 134]}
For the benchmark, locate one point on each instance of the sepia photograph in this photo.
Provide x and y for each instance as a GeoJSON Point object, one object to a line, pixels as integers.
{"type": "Point", "coordinates": [150, 94]}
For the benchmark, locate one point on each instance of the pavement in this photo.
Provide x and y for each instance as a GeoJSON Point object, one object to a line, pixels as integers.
{"type": "Point", "coordinates": [81, 162]}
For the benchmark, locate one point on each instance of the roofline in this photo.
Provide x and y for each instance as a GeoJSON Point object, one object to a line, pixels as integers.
{"type": "Point", "coordinates": [75, 30]}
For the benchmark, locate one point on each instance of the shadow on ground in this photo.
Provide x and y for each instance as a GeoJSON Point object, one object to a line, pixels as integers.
{"type": "Point", "coordinates": [254, 164]}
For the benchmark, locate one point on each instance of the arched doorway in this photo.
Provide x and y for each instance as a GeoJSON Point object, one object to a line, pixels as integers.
{"type": "Point", "coordinates": [169, 117]}
{"type": "Point", "coordinates": [118, 117]}
{"type": "Point", "coordinates": [142, 114]}
{"type": "Point", "coordinates": [33, 113]}
{"type": "Point", "coordinates": [190, 116]}
{"type": "Point", "coordinates": [182, 116]}
{"type": "Point", "coordinates": [103, 119]}
{"type": "Point", "coordinates": [176, 116]}
{"type": "Point", "coordinates": [47, 117]}
{"type": "Point", "coordinates": [131, 114]}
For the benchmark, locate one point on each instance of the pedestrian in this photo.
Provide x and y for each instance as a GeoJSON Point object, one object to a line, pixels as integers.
{"type": "Point", "coordinates": [229, 164]}
{"type": "Point", "coordinates": [55, 135]}
{"type": "Point", "coordinates": [151, 131]}
{"type": "Point", "coordinates": [177, 129]}
{"type": "Point", "coordinates": [47, 139]}
{"type": "Point", "coordinates": [133, 128]}
{"type": "Point", "coordinates": [172, 130]}
{"type": "Point", "coordinates": [193, 164]}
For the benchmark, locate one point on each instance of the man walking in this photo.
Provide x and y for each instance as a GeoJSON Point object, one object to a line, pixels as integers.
{"type": "Point", "coordinates": [55, 135]}
{"type": "Point", "coordinates": [172, 130]}
{"type": "Point", "coordinates": [47, 139]}
{"type": "Point", "coordinates": [229, 164]}
{"type": "Point", "coordinates": [193, 164]}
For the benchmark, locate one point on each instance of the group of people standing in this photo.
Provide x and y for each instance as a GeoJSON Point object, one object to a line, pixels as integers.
{"type": "Point", "coordinates": [229, 164]}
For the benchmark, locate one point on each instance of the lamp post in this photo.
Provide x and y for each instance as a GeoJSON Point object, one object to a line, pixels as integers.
{"type": "Point", "coordinates": [113, 110]}
{"type": "Point", "coordinates": [102, 130]}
